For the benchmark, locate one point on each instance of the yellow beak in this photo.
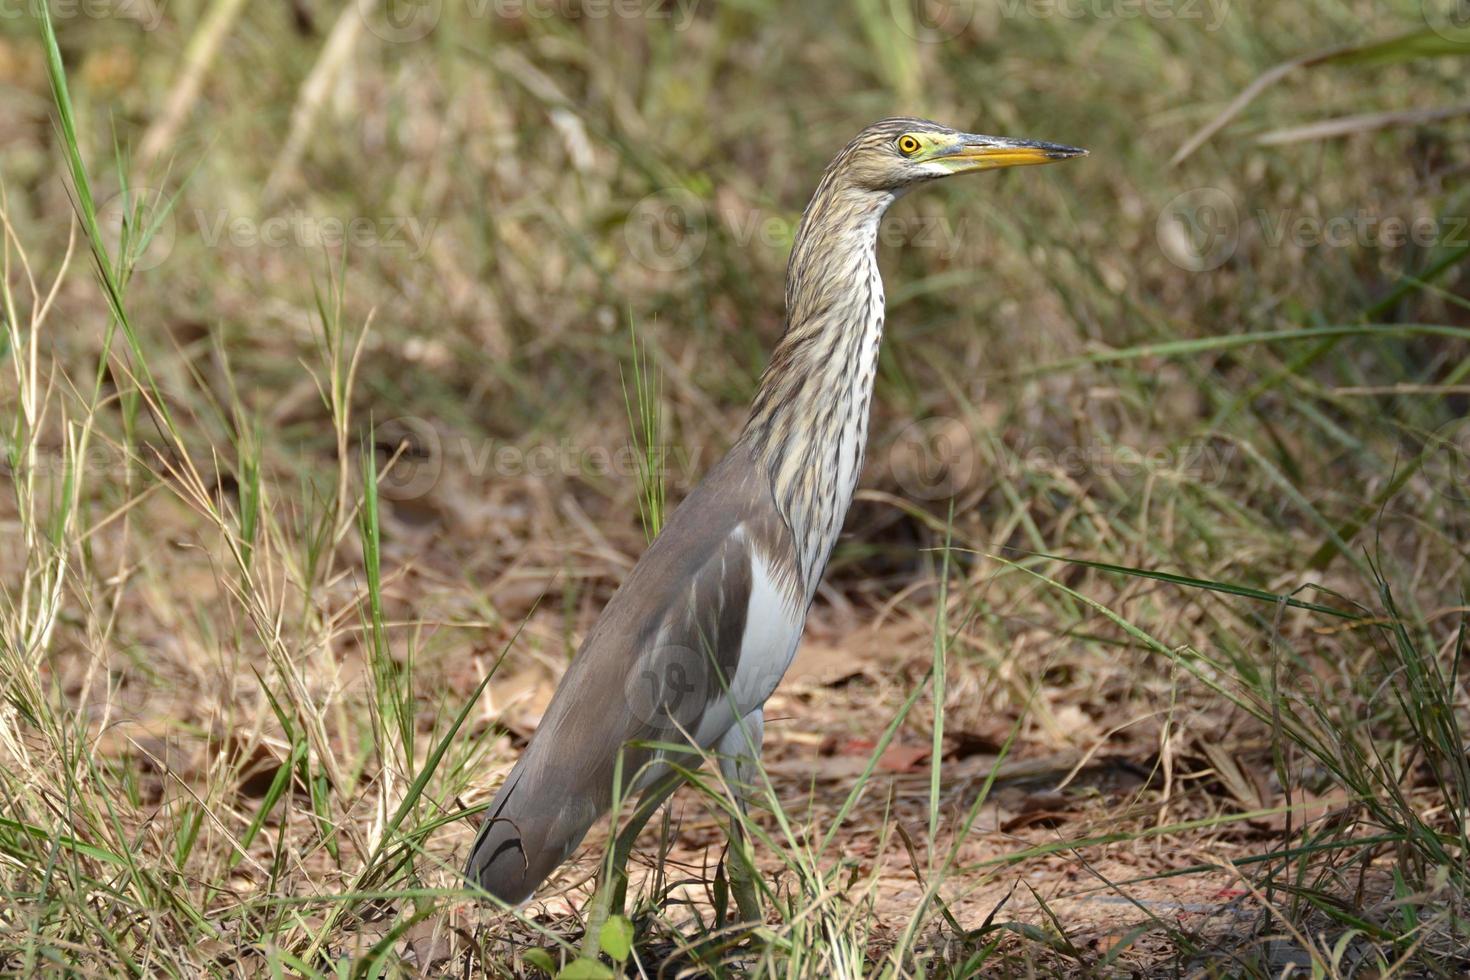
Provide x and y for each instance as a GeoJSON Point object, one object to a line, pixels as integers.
{"type": "Point", "coordinates": [972, 152]}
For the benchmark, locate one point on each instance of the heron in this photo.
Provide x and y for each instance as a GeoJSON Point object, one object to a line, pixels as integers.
{"type": "Point", "coordinates": [696, 639]}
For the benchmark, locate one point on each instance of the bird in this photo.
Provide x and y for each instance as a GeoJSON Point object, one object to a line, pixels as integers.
{"type": "Point", "coordinates": [695, 640]}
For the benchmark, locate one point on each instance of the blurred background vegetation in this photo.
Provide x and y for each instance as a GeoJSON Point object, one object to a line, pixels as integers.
{"type": "Point", "coordinates": [419, 240]}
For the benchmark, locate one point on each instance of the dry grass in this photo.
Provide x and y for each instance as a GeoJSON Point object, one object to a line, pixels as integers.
{"type": "Point", "coordinates": [300, 536]}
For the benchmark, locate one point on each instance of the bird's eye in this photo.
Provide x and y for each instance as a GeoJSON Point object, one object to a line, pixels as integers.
{"type": "Point", "coordinates": [908, 145]}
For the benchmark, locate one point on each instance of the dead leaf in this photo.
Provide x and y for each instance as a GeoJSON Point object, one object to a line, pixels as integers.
{"type": "Point", "coordinates": [903, 758]}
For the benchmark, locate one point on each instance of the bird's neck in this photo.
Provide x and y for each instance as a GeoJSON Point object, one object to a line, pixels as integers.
{"type": "Point", "coordinates": [809, 425]}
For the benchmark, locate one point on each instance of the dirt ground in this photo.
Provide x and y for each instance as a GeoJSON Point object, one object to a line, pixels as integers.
{"type": "Point", "coordinates": [1072, 788]}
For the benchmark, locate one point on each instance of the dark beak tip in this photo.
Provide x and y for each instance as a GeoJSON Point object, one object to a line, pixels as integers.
{"type": "Point", "coordinates": [1067, 153]}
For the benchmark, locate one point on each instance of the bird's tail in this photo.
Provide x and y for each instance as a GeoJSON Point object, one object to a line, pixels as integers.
{"type": "Point", "coordinates": [532, 826]}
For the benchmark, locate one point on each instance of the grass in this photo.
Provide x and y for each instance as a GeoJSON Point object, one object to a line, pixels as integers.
{"type": "Point", "coordinates": [1142, 654]}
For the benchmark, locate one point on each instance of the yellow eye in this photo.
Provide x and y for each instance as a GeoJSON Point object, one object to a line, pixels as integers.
{"type": "Point", "coordinates": [908, 145]}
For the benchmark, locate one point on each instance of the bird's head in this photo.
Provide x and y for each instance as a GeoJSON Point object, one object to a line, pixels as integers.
{"type": "Point", "coordinates": [893, 155]}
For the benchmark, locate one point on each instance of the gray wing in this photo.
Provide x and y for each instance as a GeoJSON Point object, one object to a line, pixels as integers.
{"type": "Point", "coordinates": [662, 653]}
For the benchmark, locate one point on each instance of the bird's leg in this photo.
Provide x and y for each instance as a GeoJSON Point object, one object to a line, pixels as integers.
{"type": "Point", "coordinates": [739, 749]}
{"type": "Point", "coordinates": [612, 890]}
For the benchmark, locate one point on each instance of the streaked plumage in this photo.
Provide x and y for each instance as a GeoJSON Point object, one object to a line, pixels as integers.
{"type": "Point", "coordinates": [705, 625]}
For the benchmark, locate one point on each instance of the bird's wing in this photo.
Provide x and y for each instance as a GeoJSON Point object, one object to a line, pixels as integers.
{"type": "Point", "coordinates": [658, 666]}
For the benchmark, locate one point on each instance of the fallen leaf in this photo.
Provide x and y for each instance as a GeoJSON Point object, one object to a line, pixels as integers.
{"type": "Point", "coordinates": [903, 758]}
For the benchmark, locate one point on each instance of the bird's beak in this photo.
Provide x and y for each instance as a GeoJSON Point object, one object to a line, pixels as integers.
{"type": "Point", "coordinates": [971, 152]}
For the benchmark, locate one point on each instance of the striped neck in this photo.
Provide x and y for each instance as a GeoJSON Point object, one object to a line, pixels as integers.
{"type": "Point", "coordinates": [809, 425]}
